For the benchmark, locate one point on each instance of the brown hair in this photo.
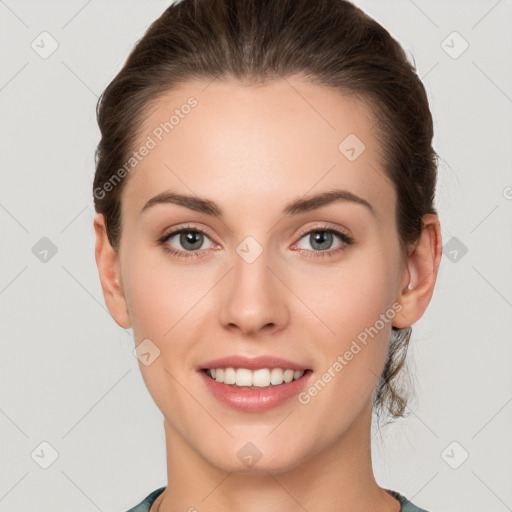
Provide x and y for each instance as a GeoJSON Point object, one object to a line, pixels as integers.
{"type": "Point", "coordinates": [332, 43]}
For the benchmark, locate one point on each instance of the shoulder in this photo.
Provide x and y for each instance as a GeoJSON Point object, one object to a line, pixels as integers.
{"type": "Point", "coordinates": [406, 505]}
{"type": "Point", "coordinates": [146, 503]}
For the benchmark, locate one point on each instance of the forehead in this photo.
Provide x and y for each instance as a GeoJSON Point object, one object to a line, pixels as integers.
{"type": "Point", "coordinates": [248, 143]}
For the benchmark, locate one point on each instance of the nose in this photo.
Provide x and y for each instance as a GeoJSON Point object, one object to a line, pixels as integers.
{"type": "Point", "coordinates": [252, 298]}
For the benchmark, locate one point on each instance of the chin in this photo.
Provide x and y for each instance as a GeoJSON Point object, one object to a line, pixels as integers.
{"type": "Point", "coordinates": [250, 460]}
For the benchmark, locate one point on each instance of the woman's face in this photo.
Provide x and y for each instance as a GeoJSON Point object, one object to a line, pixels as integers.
{"type": "Point", "coordinates": [255, 277]}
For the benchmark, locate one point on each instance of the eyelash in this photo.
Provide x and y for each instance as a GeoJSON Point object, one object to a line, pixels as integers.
{"type": "Point", "coordinates": [344, 237]}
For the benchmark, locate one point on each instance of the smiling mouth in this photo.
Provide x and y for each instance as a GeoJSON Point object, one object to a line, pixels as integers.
{"type": "Point", "coordinates": [262, 378]}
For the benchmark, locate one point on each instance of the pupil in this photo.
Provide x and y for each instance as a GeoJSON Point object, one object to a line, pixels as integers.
{"type": "Point", "coordinates": [321, 237]}
{"type": "Point", "coordinates": [190, 238]}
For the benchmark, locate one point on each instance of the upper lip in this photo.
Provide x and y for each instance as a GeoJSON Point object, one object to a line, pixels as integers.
{"type": "Point", "coordinates": [253, 363]}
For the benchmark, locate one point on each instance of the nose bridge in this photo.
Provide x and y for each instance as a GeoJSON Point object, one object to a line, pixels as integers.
{"type": "Point", "coordinates": [253, 295]}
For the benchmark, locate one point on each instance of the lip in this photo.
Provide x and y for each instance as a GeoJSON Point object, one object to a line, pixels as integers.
{"type": "Point", "coordinates": [253, 363]}
{"type": "Point", "coordinates": [254, 400]}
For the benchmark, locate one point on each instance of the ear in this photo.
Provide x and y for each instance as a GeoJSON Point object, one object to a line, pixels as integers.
{"type": "Point", "coordinates": [420, 276]}
{"type": "Point", "coordinates": [107, 261]}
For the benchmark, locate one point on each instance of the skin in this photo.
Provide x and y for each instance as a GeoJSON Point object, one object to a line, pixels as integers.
{"type": "Point", "coordinates": [253, 149]}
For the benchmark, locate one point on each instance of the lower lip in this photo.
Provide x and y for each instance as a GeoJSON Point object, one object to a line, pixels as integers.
{"type": "Point", "coordinates": [255, 400]}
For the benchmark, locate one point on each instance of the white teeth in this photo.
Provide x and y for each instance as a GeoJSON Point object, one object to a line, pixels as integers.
{"type": "Point", "coordinates": [229, 376]}
{"type": "Point", "coordinates": [243, 377]}
{"type": "Point", "coordinates": [261, 378]}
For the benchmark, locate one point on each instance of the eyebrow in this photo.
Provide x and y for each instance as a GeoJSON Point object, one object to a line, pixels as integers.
{"type": "Point", "coordinates": [301, 205]}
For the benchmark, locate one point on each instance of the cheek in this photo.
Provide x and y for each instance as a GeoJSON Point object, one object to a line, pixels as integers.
{"type": "Point", "coordinates": [354, 302]}
{"type": "Point", "coordinates": [352, 358]}
{"type": "Point", "coordinates": [351, 296]}
{"type": "Point", "coordinates": [162, 296]}
{"type": "Point", "coordinates": [151, 295]}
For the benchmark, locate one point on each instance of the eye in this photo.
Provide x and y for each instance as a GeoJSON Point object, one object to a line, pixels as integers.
{"type": "Point", "coordinates": [189, 239]}
{"type": "Point", "coordinates": [321, 240]}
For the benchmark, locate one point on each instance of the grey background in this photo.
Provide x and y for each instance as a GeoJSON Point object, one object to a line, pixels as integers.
{"type": "Point", "coordinates": [68, 374]}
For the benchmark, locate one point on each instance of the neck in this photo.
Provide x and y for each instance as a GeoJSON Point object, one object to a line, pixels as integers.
{"type": "Point", "coordinates": [339, 478]}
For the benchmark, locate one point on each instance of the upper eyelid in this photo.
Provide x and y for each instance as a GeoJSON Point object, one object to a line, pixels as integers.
{"type": "Point", "coordinates": [180, 229]}
{"type": "Point", "coordinates": [324, 227]}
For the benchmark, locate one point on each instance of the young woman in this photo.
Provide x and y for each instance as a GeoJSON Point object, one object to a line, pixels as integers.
{"type": "Point", "coordinates": [265, 223]}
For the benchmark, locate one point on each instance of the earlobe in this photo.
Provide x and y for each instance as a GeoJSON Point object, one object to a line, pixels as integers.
{"type": "Point", "coordinates": [107, 261]}
{"type": "Point", "coordinates": [422, 268]}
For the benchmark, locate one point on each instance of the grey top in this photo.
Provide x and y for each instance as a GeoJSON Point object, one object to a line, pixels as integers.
{"type": "Point", "coordinates": [145, 504]}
